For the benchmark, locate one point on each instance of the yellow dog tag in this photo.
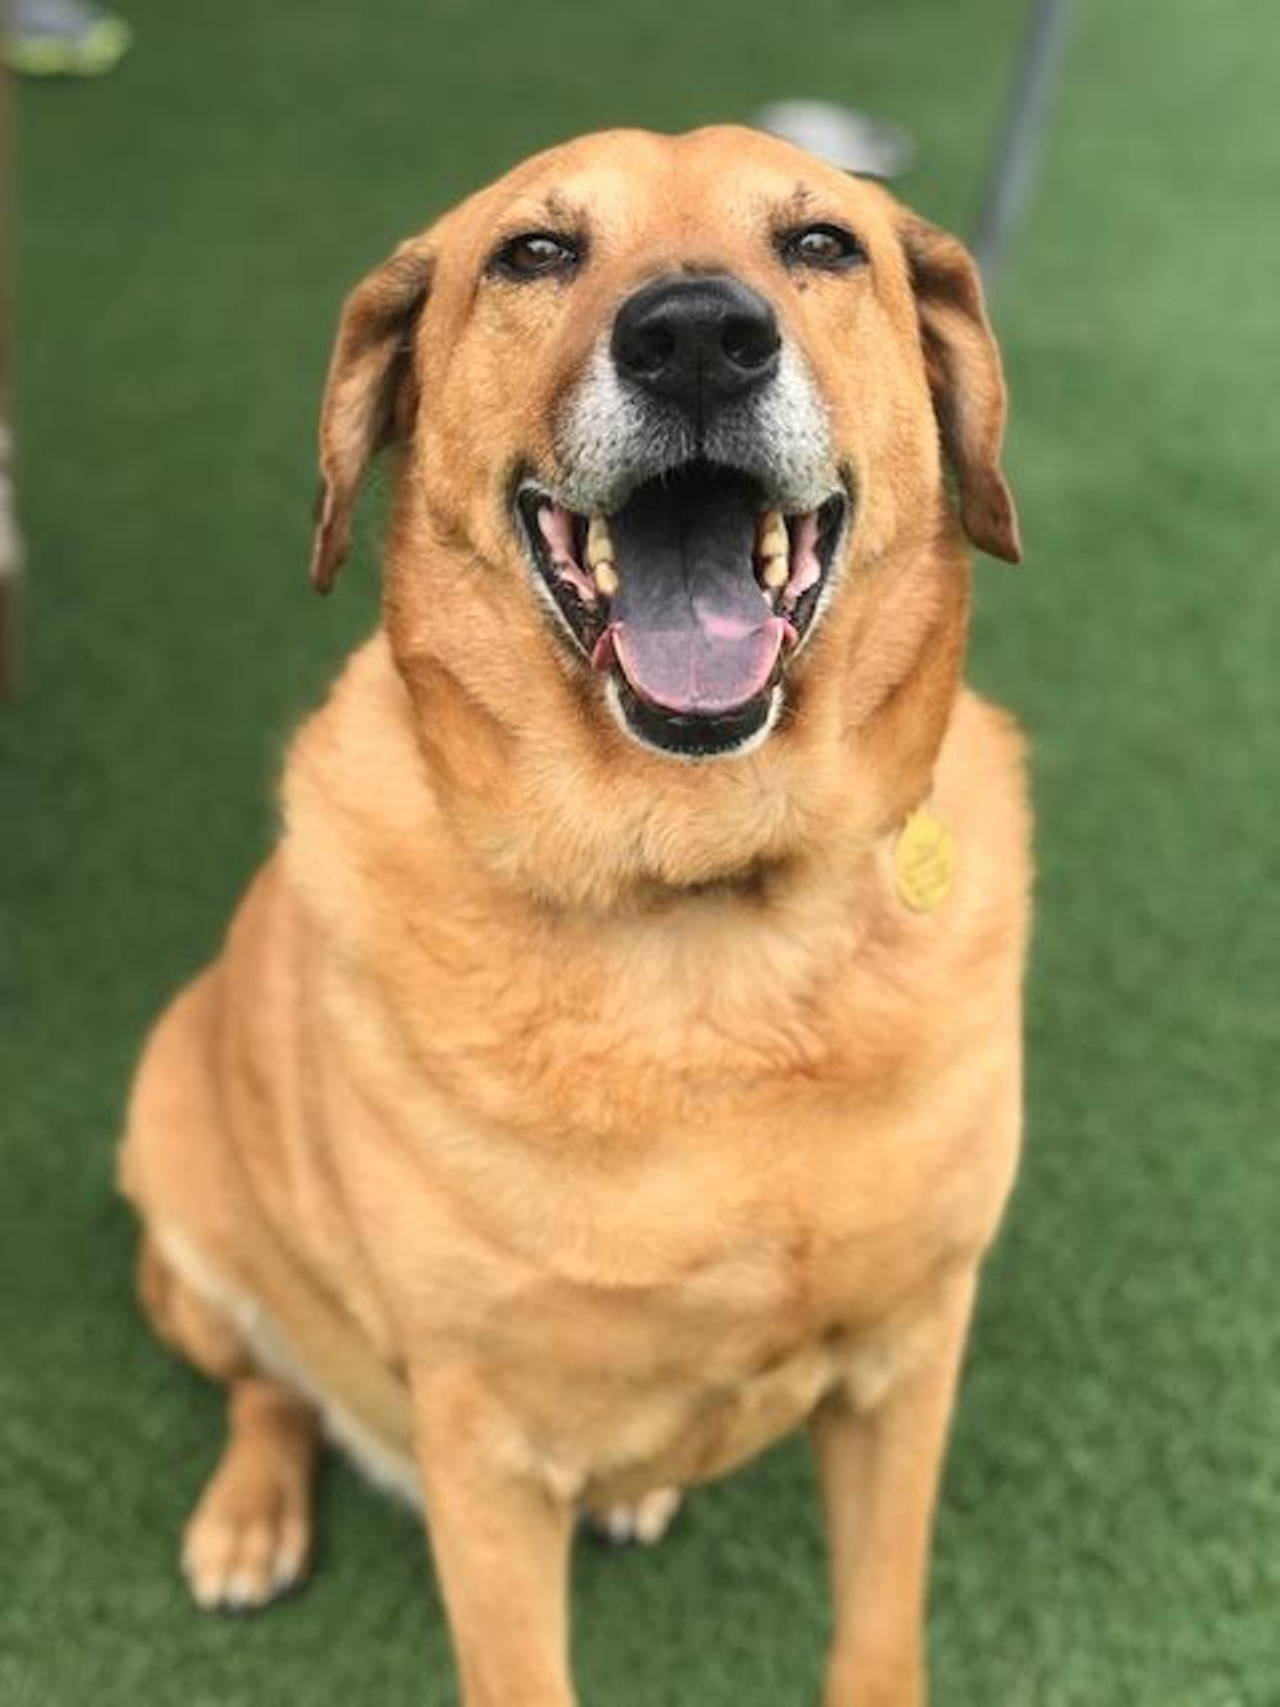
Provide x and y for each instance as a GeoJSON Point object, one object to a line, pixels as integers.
{"type": "Point", "coordinates": [924, 862]}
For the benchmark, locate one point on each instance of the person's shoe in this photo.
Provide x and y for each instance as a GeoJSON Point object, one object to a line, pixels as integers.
{"type": "Point", "coordinates": [61, 38]}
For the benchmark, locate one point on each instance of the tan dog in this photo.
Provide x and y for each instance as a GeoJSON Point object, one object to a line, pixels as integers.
{"type": "Point", "coordinates": [617, 1063]}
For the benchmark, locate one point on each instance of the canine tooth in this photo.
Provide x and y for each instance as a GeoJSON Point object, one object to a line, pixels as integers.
{"type": "Point", "coordinates": [773, 540]}
{"type": "Point", "coordinates": [606, 577]}
{"type": "Point", "coordinates": [599, 544]}
{"type": "Point", "coordinates": [777, 572]}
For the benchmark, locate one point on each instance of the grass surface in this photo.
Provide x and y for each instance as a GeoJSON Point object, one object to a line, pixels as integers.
{"type": "Point", "coordinates": [186, 229]}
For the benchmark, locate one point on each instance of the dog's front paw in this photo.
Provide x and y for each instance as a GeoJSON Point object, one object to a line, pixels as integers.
{"type": "Point", "coordinates": [640, 1523]}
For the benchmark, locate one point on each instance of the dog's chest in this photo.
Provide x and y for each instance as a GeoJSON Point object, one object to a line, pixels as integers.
{"type": "Point", "coordinates": [688, 1374]}
{"type": "Point", "coordinates": [727, 1365]}
{"type": "Point", "coordinates": [681, 1302]}
{"type": "Point", "coordinates": [678, 1209]}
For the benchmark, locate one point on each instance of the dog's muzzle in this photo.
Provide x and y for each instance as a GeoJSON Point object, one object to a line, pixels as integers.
{"type": "Point", "coordinates": [689, 545]}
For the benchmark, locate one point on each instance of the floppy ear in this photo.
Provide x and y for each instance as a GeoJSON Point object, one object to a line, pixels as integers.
{"type": "Point", "coordinates": [965, 377]}
{"type": "Point", "coordinates": [367, 401]}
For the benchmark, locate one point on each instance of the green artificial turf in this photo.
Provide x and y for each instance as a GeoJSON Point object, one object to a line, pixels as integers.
{"type": "Point", "coordinates": [1110, 1527]}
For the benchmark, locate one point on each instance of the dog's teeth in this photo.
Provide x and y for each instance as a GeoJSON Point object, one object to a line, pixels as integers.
{"type": "Point", "coordinates": [772, 541]}
{"type": "Point", "coordinates": [600, 556]}
{"type": "Point", "coordinates": [773, 547]}
{"type": "Point", "coordinates": [599, 544]}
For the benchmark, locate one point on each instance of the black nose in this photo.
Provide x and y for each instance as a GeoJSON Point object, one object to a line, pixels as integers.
{"type": "Point", "coordinates": [696, 341]}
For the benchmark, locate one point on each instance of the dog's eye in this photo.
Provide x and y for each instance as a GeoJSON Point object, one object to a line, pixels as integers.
{"type": "Point", "coordinates": [534, 255]}
{"type": "Point", "coordinates": [829, 247]}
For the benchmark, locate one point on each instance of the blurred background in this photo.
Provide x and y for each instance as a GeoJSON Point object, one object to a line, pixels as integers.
{"type": "Point", "coordinates": [184, 230]}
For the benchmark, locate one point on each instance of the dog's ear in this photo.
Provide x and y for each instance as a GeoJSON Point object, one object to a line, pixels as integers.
{"type": "Point", "coordinates": [368, 399]}
{"type": "Point", "coordinates": [965, 378]}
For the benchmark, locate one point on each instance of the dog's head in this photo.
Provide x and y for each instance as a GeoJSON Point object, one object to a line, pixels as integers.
{"type": "Point", "coordinates": [669, 405]}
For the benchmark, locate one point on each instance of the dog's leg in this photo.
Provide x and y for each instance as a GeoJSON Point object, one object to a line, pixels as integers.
{"type": "Point", "coordinates": [879, 1469]}
{"type": "Point", "coordinates": [248, 1538]}
{"type": "Point", "coordinates": [501, 1543]}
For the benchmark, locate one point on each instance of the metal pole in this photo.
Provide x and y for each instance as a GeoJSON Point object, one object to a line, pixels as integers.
{"type": "Point", "coordinates": [10, 544]}
{"type": "Point", "coordinates": [1017, 156]}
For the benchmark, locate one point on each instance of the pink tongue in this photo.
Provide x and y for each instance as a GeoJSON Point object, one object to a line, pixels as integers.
{"type": "Point", "coordinates": [715, 664]}
{"type": "Point", "coordinates": [689, 625]}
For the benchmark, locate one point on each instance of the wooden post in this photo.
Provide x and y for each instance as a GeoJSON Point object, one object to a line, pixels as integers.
{"type": "Point", "coordinates": [10, 543]}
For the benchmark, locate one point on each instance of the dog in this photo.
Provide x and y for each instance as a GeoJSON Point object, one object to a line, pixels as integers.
{"type": "Point", "coordinates": [617, 1064]}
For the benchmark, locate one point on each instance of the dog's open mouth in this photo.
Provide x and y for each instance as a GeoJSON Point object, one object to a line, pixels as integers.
{"type": "Point", "coordinates": [691, 595]}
